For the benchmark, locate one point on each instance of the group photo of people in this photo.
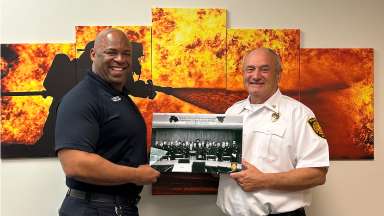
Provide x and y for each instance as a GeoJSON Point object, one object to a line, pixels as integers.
{"type": "Point", "coordinates": [200, 150]}
{"type": "Point", "coordinates": [202, 156]}
{"type": "Point", "coordinates": [197, 143]}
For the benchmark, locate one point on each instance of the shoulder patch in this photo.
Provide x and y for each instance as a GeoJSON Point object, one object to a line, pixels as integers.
{"type": "Point", "coordinates": [316, 127]}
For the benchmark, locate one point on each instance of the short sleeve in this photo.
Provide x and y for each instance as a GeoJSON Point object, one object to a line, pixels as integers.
{"type": "Point", "coordinates": [77, 124]}
{"type": "Point", "coordinates": [312, 146]}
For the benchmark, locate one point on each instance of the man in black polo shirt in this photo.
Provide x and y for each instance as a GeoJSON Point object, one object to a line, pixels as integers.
{"type": "Point", "coordinates": [101, 136]}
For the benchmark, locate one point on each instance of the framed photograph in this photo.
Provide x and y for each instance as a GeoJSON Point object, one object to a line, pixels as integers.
{"type": "Point", "coordinates": [196, 143]}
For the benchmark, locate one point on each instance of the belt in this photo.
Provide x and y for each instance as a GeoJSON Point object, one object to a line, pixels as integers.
{"type": "Point", "coordinates": [102, 197]}
{"type": "Point", "coordinates": [297, 212]}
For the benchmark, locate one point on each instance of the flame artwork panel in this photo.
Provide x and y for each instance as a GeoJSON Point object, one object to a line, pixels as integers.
{"type": "Point", "coordinates": [337, 84]}
{"type": "Point", "coordinates": [188, 55]}
{"type": "Point", "coordinates": [141, 36]}
{"type": "Point", "coordinates": [28, 93]}
{"type": "Point", "coordinates": [189, 47]}
{"type": "Point", "coordinates": [285, 42]}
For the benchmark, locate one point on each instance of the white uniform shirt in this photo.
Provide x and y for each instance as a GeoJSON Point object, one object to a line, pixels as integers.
{"type": "Point", "coordinates": [277, 137]}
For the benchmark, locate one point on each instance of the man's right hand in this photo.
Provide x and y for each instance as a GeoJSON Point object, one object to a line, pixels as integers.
{"type": "Point", "coordinates": [145, 174]}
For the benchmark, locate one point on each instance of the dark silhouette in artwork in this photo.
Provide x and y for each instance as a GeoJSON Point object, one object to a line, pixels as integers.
{"type": "Point", "coordinates": [61, 77]}
{"type": "Point", "coordinates": [9, 56]}
{"type": "Point", "coordinates": [84, 62]}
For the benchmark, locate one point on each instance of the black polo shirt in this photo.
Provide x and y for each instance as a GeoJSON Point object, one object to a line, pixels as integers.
{"type": "Point", "coordinates": [94, 117]}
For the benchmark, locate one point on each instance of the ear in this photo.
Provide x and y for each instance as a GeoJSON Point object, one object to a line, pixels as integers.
{"type": "Point", "coordinates": [278, 76]}
{"type": "Point", "coordinates": [93, 54]}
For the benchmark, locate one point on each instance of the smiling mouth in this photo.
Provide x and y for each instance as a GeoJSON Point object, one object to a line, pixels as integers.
{"type": "Point", "coordinates": [118, 68]}
{"type": "Point", "coordinates": [117, 71]}
{"type": "Point", "coordinates": [255, 84]}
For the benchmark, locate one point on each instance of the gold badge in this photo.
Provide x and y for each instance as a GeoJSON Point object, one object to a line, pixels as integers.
{"type": "Point", "coordinates": [275, 116]}
{"type": "Point", "coordinates": [233, 166]}
{"type": "Point", "coordinates": [316, 127]}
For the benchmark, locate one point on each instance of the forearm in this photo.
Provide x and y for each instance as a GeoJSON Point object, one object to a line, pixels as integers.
{"type": "Point", "coordinates": [297, 179]}
{"type": "Point", "coordinates": [93, 169]}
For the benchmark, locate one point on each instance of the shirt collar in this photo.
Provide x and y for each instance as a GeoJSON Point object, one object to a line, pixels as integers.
{"type": "Point", "coordinates": [105, 85]}
{"type": "Point", "coordinates": [272, 103]}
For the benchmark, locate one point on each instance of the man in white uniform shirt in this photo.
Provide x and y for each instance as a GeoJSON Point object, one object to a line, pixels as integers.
{"type": "Point", "coordinates": [284, 150]}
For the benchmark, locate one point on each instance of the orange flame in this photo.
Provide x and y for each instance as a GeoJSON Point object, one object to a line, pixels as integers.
{"type": "Point", "coordinates": [23, 118]}
{"type": "Point", "coordinates": [338, 85]}
{"type": "Point", "coordinates": [286, 42]}
{"type": "Point", "coordinates": [166, 103]}
{"type": "Point", "coordinates": [189, 47]}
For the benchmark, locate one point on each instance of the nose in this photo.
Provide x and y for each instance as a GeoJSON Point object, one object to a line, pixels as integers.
{"type": "Point", "coordinates": [119, 57]}
{"type": "Point", "coordinates": [256, 74]}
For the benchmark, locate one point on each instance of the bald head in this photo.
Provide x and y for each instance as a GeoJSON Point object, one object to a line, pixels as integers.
{"type": "Point", "coordinates": [273, 54]}
{"type": "Point", "coordinates": [112, 57]}
{"type": "Point", "coordinates": [108, 34]}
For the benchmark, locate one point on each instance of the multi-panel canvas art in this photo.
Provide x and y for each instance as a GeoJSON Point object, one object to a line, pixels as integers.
{"type": "Point", "coordinates": [188, 61]}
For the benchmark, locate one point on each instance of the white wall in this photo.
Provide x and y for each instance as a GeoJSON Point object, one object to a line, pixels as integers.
{"type": "Point", "coordinates": [353, 188]}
